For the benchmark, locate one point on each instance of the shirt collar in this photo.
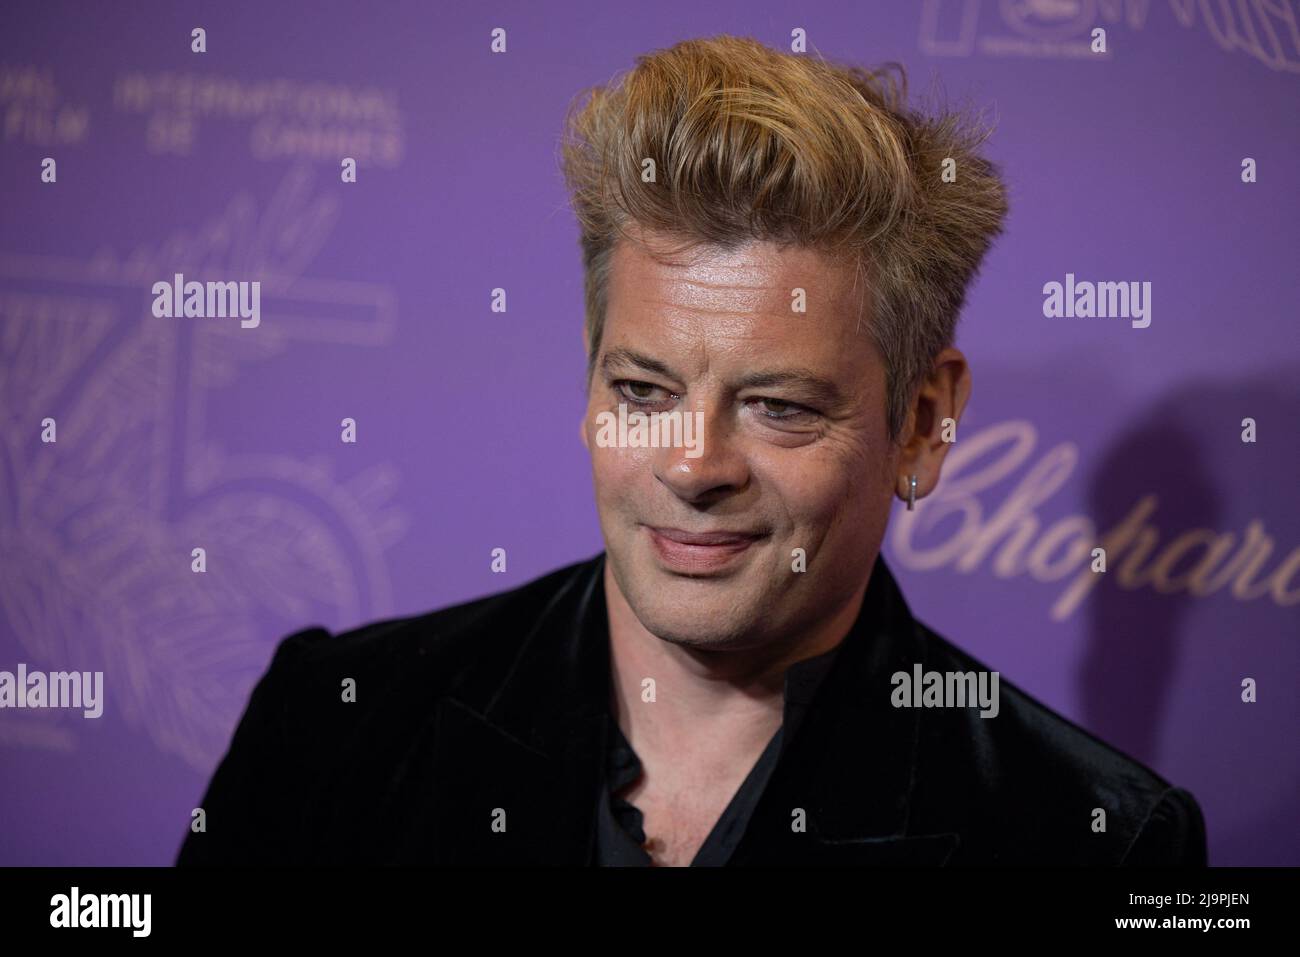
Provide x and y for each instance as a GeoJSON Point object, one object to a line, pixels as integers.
{"type": "Point", "coordinates": [802, 679]}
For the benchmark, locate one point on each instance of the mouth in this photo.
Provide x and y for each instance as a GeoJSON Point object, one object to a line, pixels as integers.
{"type": "Point", "coordinates": [696, 553]}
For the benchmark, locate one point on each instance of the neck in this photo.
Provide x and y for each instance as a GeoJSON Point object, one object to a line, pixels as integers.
{"type": "Point", "coordinates": [713, 710]}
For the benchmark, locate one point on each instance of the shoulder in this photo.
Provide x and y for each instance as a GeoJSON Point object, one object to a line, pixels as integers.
{"type": "Point", "coordinates": [1038, 780]}
{"type": "Point", "coordinates": [435, 650]}
{"type": "Point", "coordinates": [334, 714]}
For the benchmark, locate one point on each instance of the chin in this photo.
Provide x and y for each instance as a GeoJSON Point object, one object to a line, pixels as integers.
{"type": "Point", "coordinates": [698, 631]}
{"type": "Point", "coordinates": [698, 612]}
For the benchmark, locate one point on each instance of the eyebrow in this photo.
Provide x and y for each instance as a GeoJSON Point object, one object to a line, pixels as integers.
{"type": "Point", "coordinates": [629, 357]}
{"type": "Point", "coordinates": [809, 384]}
{"type": "Point", "coordinates": [815, 387]}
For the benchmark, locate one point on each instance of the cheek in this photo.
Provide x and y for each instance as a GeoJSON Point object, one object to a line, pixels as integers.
{"type": "Point", "coordinates": [826, 500]}
{"type": "Point", "coordinates": [618, 474]}
{"type": "Point", "coordinates": [827, 489]}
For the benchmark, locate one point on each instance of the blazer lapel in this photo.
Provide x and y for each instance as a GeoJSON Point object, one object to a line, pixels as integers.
{"type": "Point", "coordinates": [515, 771]}
{"type": "Point", "coordinates": [508, 773]}
{"type": "Point", "coordinates": [841, 792]}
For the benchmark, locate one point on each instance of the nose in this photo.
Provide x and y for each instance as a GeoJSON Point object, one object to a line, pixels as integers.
{"type": "Point", "coordinates": [715, 467]}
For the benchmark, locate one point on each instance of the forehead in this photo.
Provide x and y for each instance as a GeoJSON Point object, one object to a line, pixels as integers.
{"type": "Point", "coordinates": [738, 301]}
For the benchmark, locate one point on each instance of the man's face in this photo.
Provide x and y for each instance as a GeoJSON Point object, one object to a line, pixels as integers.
{"type": "Point", "coordinates": [795, 444]}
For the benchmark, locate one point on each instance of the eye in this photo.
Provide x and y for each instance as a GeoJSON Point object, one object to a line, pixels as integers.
{"type": "Point", "coordinates": [641, 393]}
{"type": "Point", "coordinates": [781, 409]}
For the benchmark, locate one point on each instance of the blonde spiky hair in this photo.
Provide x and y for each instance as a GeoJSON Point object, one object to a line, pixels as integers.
{"type": "Point", "coordinates": [751, 143]}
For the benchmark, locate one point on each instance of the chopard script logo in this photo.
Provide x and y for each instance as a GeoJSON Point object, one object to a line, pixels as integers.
{"type": "Point", "coordinates": [1199, 561]}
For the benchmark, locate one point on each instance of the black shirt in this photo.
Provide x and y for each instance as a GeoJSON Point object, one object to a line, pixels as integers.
{"type": "Point", "coordinates": [620, 831]}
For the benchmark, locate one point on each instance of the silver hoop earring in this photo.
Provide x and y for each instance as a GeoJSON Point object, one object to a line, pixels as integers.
{"type": "Point", "coordinates": [911, 493]}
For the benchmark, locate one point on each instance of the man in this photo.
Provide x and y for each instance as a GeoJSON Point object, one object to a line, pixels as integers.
{"type": "Point", "coordinates": [776, 251]}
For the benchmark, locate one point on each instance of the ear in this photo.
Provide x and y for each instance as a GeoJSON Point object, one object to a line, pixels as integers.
{"type": "Point", "coordinates": [931, 422]}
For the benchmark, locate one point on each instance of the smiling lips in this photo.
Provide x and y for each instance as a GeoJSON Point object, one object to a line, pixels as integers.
{"type": "Point", "coordinates": [697, 552]}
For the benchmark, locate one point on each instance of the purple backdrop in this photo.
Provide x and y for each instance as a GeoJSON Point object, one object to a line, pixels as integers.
{"type": "Point", "coordinates": [174, 434]}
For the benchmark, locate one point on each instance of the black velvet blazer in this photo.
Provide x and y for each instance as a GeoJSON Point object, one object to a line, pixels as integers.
{"type": "Point", "coordinates": [494, 710]}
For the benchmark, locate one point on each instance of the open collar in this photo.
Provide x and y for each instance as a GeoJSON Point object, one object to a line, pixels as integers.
{"type": "Point", "coordinates": [527, 750]}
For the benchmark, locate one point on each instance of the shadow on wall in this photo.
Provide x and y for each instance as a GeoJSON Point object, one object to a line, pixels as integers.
{"type": "Point", "coordinates": [1133, 636]}
{"type": "Point", "coordinates": [1187, 450]}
